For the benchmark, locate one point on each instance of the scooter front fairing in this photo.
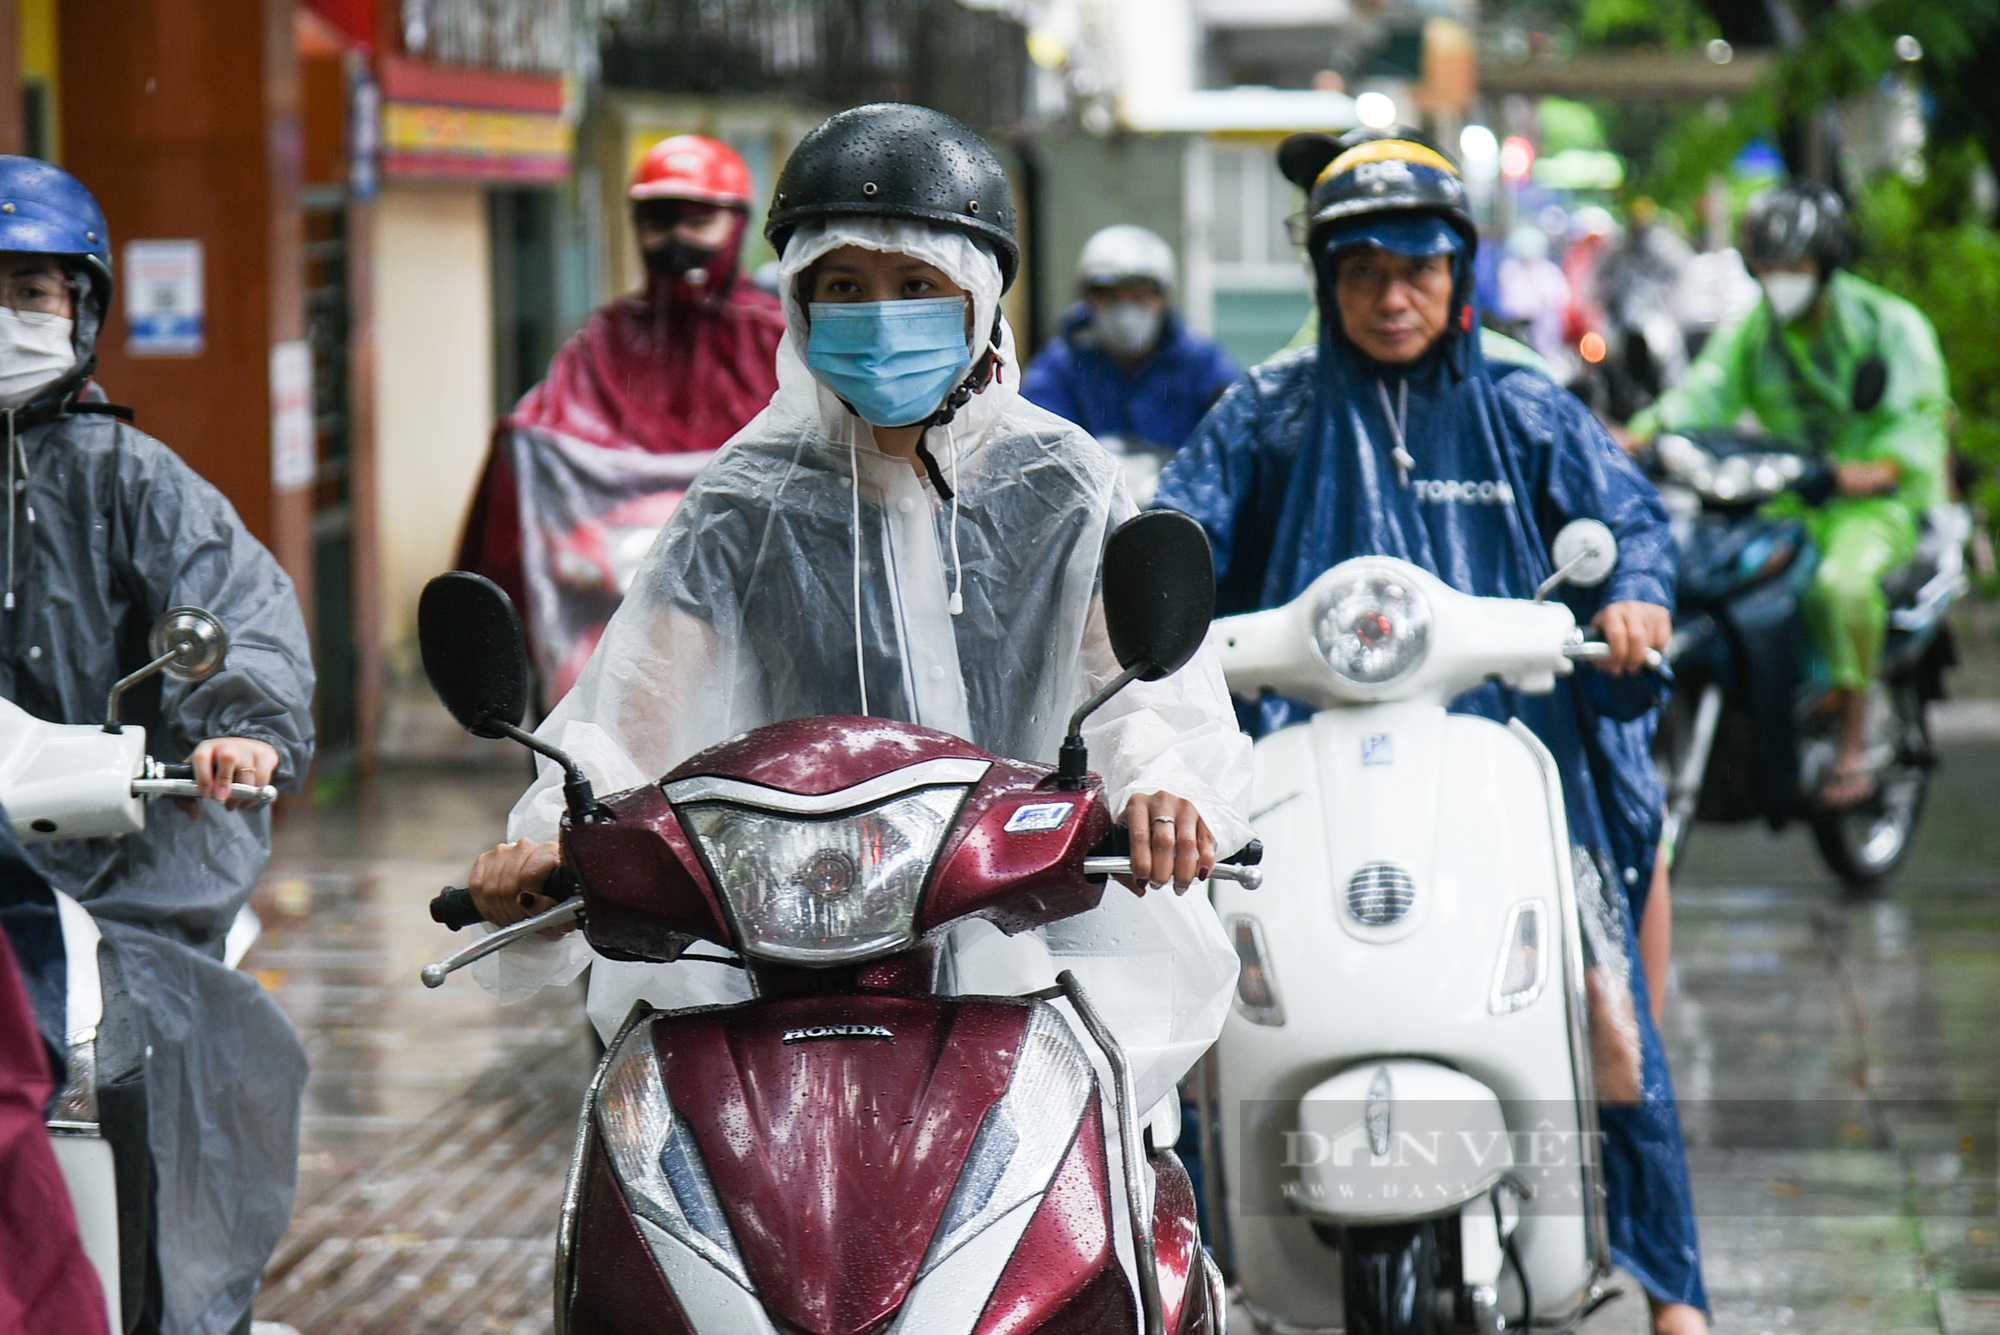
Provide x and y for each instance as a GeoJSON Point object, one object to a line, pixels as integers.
{"type": "Point", "coordinates": [1418, 900]}
{"type": "Point", "coordinates": [852, 1163]}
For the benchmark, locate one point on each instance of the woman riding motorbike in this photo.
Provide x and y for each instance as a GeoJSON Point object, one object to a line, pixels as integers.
{"type": "Point", "coordinates": [900, 534]}
{"type": "Point", "coordinates": [106, 528]}
{"type": "Point", "coordinates": [1395, 435]}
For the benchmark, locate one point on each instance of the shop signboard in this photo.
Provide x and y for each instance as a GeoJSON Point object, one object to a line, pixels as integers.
{"type": "Point", "coordinates": [467, 124]}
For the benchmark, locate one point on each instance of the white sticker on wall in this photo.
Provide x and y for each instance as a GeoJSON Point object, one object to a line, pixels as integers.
{"type": "Point", "coordinates": [165, 310]}
{"type": "Point", "coordinates": [294, 453]}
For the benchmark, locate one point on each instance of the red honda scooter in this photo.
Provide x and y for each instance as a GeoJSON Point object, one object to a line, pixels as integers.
{"type": "Point", "coordinates": [852, 1153]}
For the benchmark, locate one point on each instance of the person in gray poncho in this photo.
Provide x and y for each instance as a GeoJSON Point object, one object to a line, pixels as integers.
{"type": "Point", "coordinates": [105, 529]}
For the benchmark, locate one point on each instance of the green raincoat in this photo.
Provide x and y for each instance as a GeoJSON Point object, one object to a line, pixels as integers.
{"type": "Point", "coordinates": [1797, 382]}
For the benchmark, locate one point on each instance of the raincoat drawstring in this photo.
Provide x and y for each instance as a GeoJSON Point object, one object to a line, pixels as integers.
{"type": "Point", "coordinates": [957, 567]}
{"type": "Point", "coordinates": [1399, 420]}
{"type": "Point", "coordinates": [854, 534]}
{"type": "Point", "coordinates": [17, 476]}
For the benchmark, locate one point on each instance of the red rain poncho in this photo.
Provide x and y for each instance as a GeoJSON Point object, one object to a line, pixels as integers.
{"type": "Point", "coordinates": [46, 1283]}
{"type": "Point", "coordinates": [677, 368]}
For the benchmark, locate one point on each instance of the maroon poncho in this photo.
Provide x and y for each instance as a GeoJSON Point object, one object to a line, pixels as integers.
{"type": "Point", "coordinates": [679, 367]}
{"type": "Point", "coordinates": [46, 1282]}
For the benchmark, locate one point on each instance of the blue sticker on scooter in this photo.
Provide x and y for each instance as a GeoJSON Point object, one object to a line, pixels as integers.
{"type": "Point", "coordinates": [1038, 817]}
{"type": "Point", "coordinates": [1378, 748]}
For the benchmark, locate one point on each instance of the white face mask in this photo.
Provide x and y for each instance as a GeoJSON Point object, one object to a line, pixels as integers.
{"type": "Point", "coordinates": [1126, 328]}
{"type": "Point", "coordinates": [34, 354]}
{"type": "Point", "coordinates": [1790, 294]}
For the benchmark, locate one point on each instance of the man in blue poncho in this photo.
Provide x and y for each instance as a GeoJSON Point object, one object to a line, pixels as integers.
{"type": "Point", "coordinates": [1394, 434]}
{"type": "Point", "coordinates": [1125, 366]}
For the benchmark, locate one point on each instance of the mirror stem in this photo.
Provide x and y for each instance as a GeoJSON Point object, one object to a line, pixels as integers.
{"type": "Point", "coordinates": [577, 793]}
{"type": "Point", "coordinates": [1561, 577]}
{"type": "Point", "coordinates": [1073, 762]}
{"type": "Point", "coordinates": [124, 684]}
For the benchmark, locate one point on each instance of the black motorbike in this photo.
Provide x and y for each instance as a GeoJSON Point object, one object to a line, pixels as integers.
{"type": "Point", "coordinates": [1747, 734]}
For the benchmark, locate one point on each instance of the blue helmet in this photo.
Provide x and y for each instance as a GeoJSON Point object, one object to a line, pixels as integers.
{"type": "Point", "coordinates": [46, 211]}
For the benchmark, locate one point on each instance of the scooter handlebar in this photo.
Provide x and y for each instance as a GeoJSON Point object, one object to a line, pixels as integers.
{"type": "Point", "coordinates": [243, 794]}
{"type": "Point", "coordinates": [454, 907]}
{"type": "Point", "coordinates": [1250, 878]}
{"type": "Point", "coordinates": [1597, 651]}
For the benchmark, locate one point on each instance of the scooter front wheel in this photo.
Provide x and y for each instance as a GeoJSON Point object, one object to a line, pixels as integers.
{"type": "Point", "coordinates": [1388, 1279]}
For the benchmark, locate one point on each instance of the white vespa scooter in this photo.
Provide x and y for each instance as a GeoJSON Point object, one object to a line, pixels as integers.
{"type": "Point", "coordinates": [1405, 1078]}
{"type": "Point", "coordinates": [83, 781]}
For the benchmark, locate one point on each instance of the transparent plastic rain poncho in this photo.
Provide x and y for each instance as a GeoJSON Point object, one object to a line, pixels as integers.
{"type": "Point", "coordinates": [749, 608]}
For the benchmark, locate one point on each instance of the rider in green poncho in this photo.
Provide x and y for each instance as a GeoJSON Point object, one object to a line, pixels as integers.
{"type": "Point", "coordinates": [1808, 364]}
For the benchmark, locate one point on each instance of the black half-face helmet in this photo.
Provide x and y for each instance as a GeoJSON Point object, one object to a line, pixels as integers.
{"type": "Point", "coordinates": [894, 160]}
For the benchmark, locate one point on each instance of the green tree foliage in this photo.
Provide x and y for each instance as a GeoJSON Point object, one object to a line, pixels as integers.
{"type": "Point", "coordinates": [1920, 242]}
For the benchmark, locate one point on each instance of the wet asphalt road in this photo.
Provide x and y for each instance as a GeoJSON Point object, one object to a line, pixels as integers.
{"type": "Point", "coordinates": [1835, 1057]}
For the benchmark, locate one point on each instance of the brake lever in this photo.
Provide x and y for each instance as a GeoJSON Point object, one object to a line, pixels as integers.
{"type": "Point", "coordinates": [567, 911]}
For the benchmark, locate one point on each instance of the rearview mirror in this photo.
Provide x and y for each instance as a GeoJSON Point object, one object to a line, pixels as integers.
{"type": "Point", "coordinates": [473, 652]}
{"type": "Point", "coordinates": [1585, 554]}
{"type": "Point", "coordinates": [1159, 591]}
{"type": "Point", "coordinates": [196, 640]}
{"type": "Point", "coordinates": [188, 644]}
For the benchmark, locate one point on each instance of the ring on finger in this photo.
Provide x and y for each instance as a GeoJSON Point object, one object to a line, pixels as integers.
{"type": "Point", "coordinates": [1163, 820]}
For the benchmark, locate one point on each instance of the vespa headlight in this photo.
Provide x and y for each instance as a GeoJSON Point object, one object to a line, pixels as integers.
{"type": "Point", "coordinates": [1372, 627]}
{"type": "Point", "coordinates": [824, 890]}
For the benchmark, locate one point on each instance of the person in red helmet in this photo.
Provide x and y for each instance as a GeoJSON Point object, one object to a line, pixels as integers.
{"type": "Point", "coordinates": [631, 407]}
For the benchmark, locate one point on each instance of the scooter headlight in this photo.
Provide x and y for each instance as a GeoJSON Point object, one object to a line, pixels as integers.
{"type": "Point", "coordinates": [656, 1160]}
{"type": "Point", "coordinates": [1372, 627]}
{"type": "Point", "coordinates": [1024, 1138]}
{"type": "Point", "coordinates": [825, 890]}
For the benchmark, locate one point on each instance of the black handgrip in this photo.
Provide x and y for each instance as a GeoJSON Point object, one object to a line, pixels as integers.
{"type": "Point", "coordinates": [176, 772]}
{"type": "Point", "coordinates": [1116, 843]}
{"type": "Point", "coordinates": [1250, 855]}
{"type": "Point", "coordinates": [454, 907]}
{"type": "Point", "coordinates": [1818, 483]}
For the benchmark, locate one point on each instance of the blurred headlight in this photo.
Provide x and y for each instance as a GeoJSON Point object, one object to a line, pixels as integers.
{"type": "Point", "coordinates": [1256, 985]}
{"type": "Point", "coordinates": [656, 1159]}
{"type": "Point", "coordinates": [1523, 967]}
{"type": "Point", "coordinates": [1372, 627]}
{"type": "Point", "coordinates": [824, 890]}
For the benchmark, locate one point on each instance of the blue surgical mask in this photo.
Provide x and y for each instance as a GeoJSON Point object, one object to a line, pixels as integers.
{"type": "Point", "coordinates": [892, 361]}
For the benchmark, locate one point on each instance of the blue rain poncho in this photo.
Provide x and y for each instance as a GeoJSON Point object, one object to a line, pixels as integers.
{"type": "Point", "coordinates": [1158, 402]}
{"type": "Point", "coordinates": [1293, 473]}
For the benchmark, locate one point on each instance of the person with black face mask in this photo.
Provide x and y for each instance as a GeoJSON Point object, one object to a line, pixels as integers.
{"type": "Point", "coordinates": [630, 409]}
